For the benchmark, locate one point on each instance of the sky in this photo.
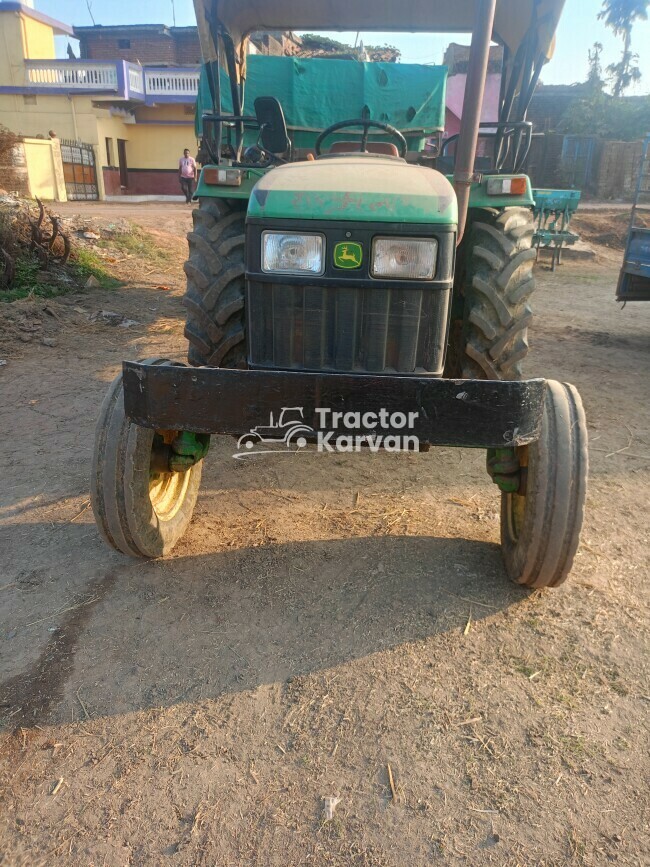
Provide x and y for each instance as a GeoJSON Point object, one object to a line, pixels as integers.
{"type": "Point", "coordinates": [579, 29]}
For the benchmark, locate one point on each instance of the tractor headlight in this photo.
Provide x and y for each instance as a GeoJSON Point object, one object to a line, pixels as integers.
{"type": "Point", "coordinates": [404, 258]}
{"type": "Point", "coordinates": [288, 253]}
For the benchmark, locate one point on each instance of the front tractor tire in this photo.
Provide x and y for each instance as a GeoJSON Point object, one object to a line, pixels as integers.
{"type": "Point", "coordinates": [215, 323]}
{"type": "Point", "coordinates": [540, 527]}
{"type": "Point", "coordinates": [139, 510]}
{"type": "Point", "coordinates": [489, 339]}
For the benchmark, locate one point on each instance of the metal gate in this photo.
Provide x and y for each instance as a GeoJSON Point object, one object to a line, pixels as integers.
{"type": "Point", "coordinates": [79, 170]}
{"type": "Point", "coordinates": [634, 281]}
{"type": "Point", "coordinates": [576, 161]}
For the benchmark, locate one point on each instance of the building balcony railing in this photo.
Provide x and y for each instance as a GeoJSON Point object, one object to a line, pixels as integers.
{"type": "Point", "coordinates": [59, 74]}
{"type": "Point", "coordinates": [135, 79]}
{"type": "Point", "coordinates": [119, 78]}
{"type": "Point", "coordinates": [183, 82]}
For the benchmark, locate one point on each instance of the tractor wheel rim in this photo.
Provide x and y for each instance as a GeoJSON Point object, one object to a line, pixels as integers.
{"type": "Point", "coordinates": [167, 492]}
{"type": "Point", "coordinates": [516, 512]}
{"type": "Point", "coordinates": [516, 503]}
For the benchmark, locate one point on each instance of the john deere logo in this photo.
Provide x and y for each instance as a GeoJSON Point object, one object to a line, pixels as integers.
{"type": "Point", "coordinates": [348, 254]}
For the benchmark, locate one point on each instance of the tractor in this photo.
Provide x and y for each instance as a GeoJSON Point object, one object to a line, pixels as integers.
{"type": "Point", "coordinates": [336, 269]}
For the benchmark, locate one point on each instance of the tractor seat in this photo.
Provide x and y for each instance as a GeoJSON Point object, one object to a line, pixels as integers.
{"type": "Point", "coordinates": [378, 147]}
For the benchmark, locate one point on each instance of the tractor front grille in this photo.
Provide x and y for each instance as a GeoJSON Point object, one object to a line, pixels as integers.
{"type": "Point", "coordinates": [346, 329]}
{"type": "Point", "coordinates": [348, 321]}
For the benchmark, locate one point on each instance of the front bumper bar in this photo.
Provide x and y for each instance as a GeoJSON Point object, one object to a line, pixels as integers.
{"type": "Point", "coordinates": [470, 413]}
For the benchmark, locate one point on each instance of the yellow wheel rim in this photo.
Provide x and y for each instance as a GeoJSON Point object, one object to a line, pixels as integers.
{"type": "Point", "coordinates": [167, 492]}
{"type": "Point", "coordinates": [166, 489]}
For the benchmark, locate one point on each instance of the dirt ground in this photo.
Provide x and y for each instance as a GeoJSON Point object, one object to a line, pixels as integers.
{"type": "Point", "coordinates": [609, 228]}
{"type": "Point", "coordinates": [326, 618]}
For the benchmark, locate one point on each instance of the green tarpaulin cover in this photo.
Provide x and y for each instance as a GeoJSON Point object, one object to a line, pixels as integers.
{"type": "Point", "coordinates": [315, 93]}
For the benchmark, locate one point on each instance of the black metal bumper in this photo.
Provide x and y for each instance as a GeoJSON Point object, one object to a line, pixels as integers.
{"type": "Point", "coordinates": [471, 413]}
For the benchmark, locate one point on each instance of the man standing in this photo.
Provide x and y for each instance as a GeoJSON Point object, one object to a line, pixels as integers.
{"type": "Point", "coordinates": [187, 174]}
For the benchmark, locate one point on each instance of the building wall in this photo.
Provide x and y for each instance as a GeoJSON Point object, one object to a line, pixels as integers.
{"type": "Point", "coordinates": [154, 144]}
{"type": "Point", "coordinates": [13, 172]}
{"type": "Point", "coordinates": [112, 128]}
{"type": "Point", "coordinates": [171, 113]}
{"type": "Point", "coordinates": [156, 140]}
{"type": "Point", "coordinates": [173, 46]}
{"type": "Point", "coordinates": [159, 146]}
{"type": "Point", "coordinates": [35, 116]}
{"type": "Point", "coordinates": [12, 69]}
{"type": "Point", "coordinates": [45, 169]}
{"type": "Point", "coordinates": [152, 153]}
{"type": "Point", "coordinates": [617, 169]}
{"type": "Point", "coordinates": [146, 47]}
{"type": "Point", "coordinates": [188, 47]}
{"type": "Point", "coordinates": [22, 38]}
{"type": "Point", "coordinates": [154, 182]}
{"type": "Point", "coordinates": [35, 169]}
{"type": "Point", "coordinates": [111, 181]}
{"type": "Point", "coordinates": [38, 39]}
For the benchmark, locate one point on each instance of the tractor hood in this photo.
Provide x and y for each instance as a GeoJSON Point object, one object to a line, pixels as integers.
{"type": "Point", "coordinates": [355, 187]}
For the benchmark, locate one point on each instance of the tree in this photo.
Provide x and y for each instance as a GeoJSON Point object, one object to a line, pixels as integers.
{"type": "Point", "coordinates": [619, 16]}
{"type": "Point", "coordinates": [595, 77]}
{"type": "Point", "coordinates": [321, 46]}
{"type": "Point", "coordinates": [603, 115]}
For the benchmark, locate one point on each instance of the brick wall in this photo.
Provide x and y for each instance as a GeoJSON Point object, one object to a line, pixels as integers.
{"type": "Point", "coordinates": [171, 47]}
{"type": "Point", "coordinates": [145, 47]}
{"type": "Point", "coordinates": [618, 169]}
{"type": "Point", "coordinates": [142, 182]}
{"type": "Point", "coordinates": [13, 172]}
{"type": "Point", "coordinates": [188, 47]}
{"type": "Point", "coordinates": [268, 44]}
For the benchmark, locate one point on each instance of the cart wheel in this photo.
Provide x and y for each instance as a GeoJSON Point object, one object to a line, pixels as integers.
{"type": "Point", "coordinates": [540, 529]}
{"type": "Point", "coordinates": [138, 511]}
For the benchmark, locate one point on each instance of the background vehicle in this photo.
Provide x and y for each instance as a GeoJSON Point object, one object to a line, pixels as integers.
{"type": "Point", "coordinates": [278, 317]}
{"type": "Point", "coordinates": [634, 281]}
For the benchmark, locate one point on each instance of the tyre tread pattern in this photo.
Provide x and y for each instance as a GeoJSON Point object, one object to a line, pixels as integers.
{"type": "Point", "coordinates": [498, 282]}
{"type": "Point", "coordinates": [214, 299]}
{"type": "Point", "coordinates": [544, 553]}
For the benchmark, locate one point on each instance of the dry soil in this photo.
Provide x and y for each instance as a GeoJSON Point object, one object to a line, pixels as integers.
{"type": "Point", "coordinates": [331, 626]}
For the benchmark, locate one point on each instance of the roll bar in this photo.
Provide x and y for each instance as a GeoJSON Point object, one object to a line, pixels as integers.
{"type": "Point", "coordinates": [525, 28]}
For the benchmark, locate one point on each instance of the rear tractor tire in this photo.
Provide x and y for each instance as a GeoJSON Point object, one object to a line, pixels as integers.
{"type": "Point", "coordinates": [139, 510]}
{"type": "Point", "coordinates": [215, 324]}
{"type": "Point", "coordinates": [489, 337]}
{"type": "Point", "coordinates": [540, 528]}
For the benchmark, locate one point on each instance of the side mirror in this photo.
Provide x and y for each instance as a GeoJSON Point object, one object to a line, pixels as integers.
{"type": "Point", "coordinates": [273, 127]}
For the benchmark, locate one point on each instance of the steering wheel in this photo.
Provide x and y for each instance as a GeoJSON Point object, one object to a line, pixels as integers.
{"type": "Point", "coordinates": [366, 124]}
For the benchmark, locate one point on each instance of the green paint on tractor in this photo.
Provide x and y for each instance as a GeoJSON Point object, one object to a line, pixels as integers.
{"type": "Point", "coordinates": [340, 205]}
{"type": "Point", "coordinates": [355, 188]}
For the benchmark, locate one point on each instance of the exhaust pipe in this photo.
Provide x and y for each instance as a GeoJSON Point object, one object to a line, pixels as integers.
{"type": "Point", "coordinates": [472, 103]}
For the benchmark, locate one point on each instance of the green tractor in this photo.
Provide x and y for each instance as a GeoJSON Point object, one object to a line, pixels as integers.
{"type": "Point", "coordinates": [343, 290]}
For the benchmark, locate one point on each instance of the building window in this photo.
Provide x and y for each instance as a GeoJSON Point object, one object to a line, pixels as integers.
{"type": "Point", "coordinates": [29, 99]}
{"type": "Point", "coordinates": [109, 152]}
{"type": "Point", "coordinates": [123, 43]}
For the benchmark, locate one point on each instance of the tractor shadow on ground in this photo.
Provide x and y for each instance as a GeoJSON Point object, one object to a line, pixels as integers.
{"type": "Point", "coordinates": [631, 341]}
{"type": "Point", "coordinates": [140, 635]}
